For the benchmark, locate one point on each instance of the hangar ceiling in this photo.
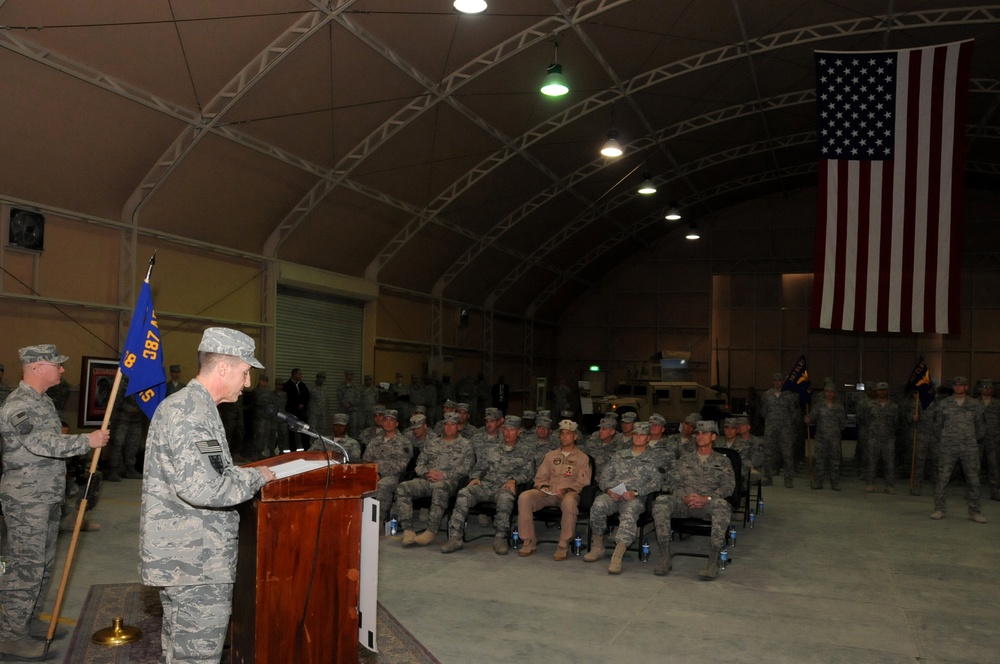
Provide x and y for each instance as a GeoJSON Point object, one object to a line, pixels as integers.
{"type": "Point", "coordinates": [407, 143]}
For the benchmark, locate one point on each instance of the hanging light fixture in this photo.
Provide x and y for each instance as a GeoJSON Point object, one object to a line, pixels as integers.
{"type": "Point", "coordinates": [470, 6]}
{"type": "Point", "coordinates": [612, 148]}
{"type": "Point", "coordinates": [673, 214]}
{"type": "Point", "coordinates": [692, 233]}
{"type": "Point", "coordinates": [554, 84]}
{"type": "Point", "coordinates": [647, 187]}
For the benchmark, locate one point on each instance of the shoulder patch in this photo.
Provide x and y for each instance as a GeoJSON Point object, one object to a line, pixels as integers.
{"type": "Point", "coordinates": [209, 447]}
{"type": "Point", "coordinates": [21, 423]}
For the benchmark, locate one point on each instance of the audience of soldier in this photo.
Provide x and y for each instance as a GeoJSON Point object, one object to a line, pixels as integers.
{"type": "Point", "coordinates": [340, 423]}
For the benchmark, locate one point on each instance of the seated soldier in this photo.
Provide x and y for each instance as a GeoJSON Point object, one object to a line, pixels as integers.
{"type": "Point", "coordinates": [700, 481]}
{"type": "Point", "coordinates": [626, 480]}
{"type": "Point", "coordinates": [683, 442]}
{"type": "Point", "coordinates": [353, 447]}
{"type": "Point", "coordinates": [603, 444]}
{"type": "Point", "coordinates": [375, 429]}
{"type": "Point", "coordinates": [392, 452]}
{"type": "Point", "coordinates": [498, 470]}
{"type": "Point", "coordinates": [747, 449]}
{"type": "Point", "coordinates": [419, 433]}
{"type": "Point", "coordinates": [560, 478]}
{"type": "Point", "coordinates": [465, 428]}
{"type": "Point", "coordinates": [442, 465]}
{"type": "Point", "coordinates": [628, 420]}
{"type": "Point", "coordinates": [542, 440]}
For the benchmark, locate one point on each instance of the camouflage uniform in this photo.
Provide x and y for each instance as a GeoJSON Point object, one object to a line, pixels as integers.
{"type": "Point", "coordinates": [602, 452]}
{"type": "Point", "coordinates": [883, 419]}
{"type": "Point", "coordinates": [349, 400]}
{"type": "Point", "coordinates": [959, 428]}
{"type": "Point", "coordinates": [280, 439]}
{"type": "Point", "coordinates": [231, 415]}
{"type": "Point", "coordinates": [352, 446]}
{"type": "Point", "coordinates": [31, 491]}
{"type": "Point", "coordinates": [392, 454]}
{"type": "Point", "coordinates": [126, 436]}
{"type": "Point", "coordinates": [365, 411]}
{"type": "Point", "coordinates": [496, 464]}
{"type": "Point", "coordinates": [4, 390]}
{"type": "Point", "coordinates": [711, 476]}
{"type": "Point", "coordinates": [991, 445]}
{"type": "Point", "coordinates": [780, 412]}
{"type": "Point", "coordinates": [927, 444]}
{"type": "Point", "coordinates": [317, 409]}
{"type": "Point", "coordinates": [640, 474]}
{"type": "Point", "coordinates": [830, 421]}
{"type": "Point", "coordinates": [188, 528]}
{"type": "Point", "coordinates": [263, 426]}
{"type": "Point", "coordinates": [453, 458]}
{"type": "Point", "coordinates": [59, 394]}
{"type": "Point", "coordinates": [543, 446]}
{"type": "Point", "coordinates": [420, 443]}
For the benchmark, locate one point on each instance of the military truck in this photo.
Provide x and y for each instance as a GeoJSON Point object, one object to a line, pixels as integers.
{"type": "Point", "coordinates": [674, 399]}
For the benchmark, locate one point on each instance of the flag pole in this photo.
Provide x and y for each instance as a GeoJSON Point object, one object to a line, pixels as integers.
{"type": "Point", "coordinates": [82, 508]}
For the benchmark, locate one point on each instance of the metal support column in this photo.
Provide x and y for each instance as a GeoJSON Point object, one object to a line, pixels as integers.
{"type": "Point", "coordinates": [528, 361]}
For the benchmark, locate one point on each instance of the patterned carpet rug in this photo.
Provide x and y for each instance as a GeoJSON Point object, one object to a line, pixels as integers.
{"type": "Point", "coordinates": [139, 606]}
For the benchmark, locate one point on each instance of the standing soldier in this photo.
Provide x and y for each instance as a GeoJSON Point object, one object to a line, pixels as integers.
{"type": "Point", "coordinates": [4, 390]}
{"type": "Point", "coordinates": [499, 468]}
{"type": "Point", "coordinates": [700, 482]}
{"type": "Point", "coordinates": [263, 426]}
{"type": "Point", "coordinates": [231, 414]}
{"type": "Point", "coordinates": [991, 444]}
{"type": "Point", "coordinates": [780, 411]}
{"type": "Point", "coordinates": [32, 488]}
{"type": "Point", "coordinates": [174, 384]}
{"type": "Point", "coordinates": [361, 416]}
{"type": "Point", "coordinates": [883, 418]}
{"type": "Point", "coordinates": [126, 437]}
{"type": "Point", "coordinates": [960, 424]}
{"type": "Point", "coordinates": [626, 480]}
{"type": "Point", "coordinates": [317, 404]}
{"type": "Point", "coordinates": [280, 441]}
{"type": "Point", "coordinates": [830, 420]}
{"type": "Point", "coordinates": [350, 401]}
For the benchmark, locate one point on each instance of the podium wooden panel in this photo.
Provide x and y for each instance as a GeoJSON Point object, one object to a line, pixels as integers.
{"type": "Point", "coordinates": [279, 557]}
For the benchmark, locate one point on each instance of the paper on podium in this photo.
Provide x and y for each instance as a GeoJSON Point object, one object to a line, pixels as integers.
{"type": "Point", "coordinates": [297, 467]}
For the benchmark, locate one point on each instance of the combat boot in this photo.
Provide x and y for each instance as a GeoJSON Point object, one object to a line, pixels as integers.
{"type": "Point", "coordinates": [426, 537]}
{"type": "Point", "coordinates": [409, 538]}
{"type": "Point", "coordinates": [500, 545]}
{"type": "Point", "coordinates": [452, 545]}
{"type": "Point", "coordinates": [22, 648]}
{"type": "Point", "coordinates": [663, 565]}
{"type": "Point", "coordinates": [596, 549]}
{"type": "Point", "coordinates": [712, 568]}
{"type": "Point", "coordinates": [615, 567]}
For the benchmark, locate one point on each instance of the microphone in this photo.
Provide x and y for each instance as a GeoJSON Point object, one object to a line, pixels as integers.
{"type": "Point", "coordinates": [294, 423]}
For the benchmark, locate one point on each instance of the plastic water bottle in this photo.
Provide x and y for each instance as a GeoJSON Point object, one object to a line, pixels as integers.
{"type": "Point", "coordinates": [671, 534]}
{"type": "Point", "coordinates": [577, 545]}
{"type": "Point", "coordinates": [753, 518]}
{"type": "Point", "coordinates": [723, 558]}
{"type": "Point", "coordinates": [393, 525]}
{"type": "Point", "coordinates": [732, 537]}
{"type": "Point", "coordinates": [644, 551]}
{"type": "Point", "coordinates": [760, 507]}
{"type": "Point", "coordinates": [515, 539]}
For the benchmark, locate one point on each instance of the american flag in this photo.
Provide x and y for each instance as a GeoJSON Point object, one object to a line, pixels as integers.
{"type": "Point", "coordinates": [891, 139]}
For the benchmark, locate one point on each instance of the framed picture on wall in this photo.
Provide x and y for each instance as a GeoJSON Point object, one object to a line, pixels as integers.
{"type": "Point", "coordinates": [96, 380]}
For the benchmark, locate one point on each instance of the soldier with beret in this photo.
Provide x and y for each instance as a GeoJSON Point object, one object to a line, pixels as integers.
{"type": "Point", "coordinates": [31, 493]}
{"type": "Point", "coordinates": [441, 467]}
{"type": "Point", "coordinates": [391, 451]}
{"type": "Point", "coordinates": [559, 479]}
{"type": "Point", "coordinates": [991, 442]}
{"type": "Point", "coordinates": [498, 469]}
{"type": "Point", "coordinates": [626, 480]}
{"type": "Point", "coordinates": [340, 423]}
{"type": "Point", "coordinates": [700, 483]}
{"type": "Point", "coordinates": [960, 423]}
{"type": "Point", "coordinates": [188, 524]}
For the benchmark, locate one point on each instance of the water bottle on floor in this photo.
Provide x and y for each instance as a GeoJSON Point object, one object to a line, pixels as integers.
{"type": "Point", "coordinates": [577, 545]}
{"type": "Point", "coordinates": [732, 536]}
{"type": "Point", "coordinates": [393, 525]}
{"type": "Point", "coordinates": [753, 518]}
{"type": "Point", "coordinates": [515, 539]}
{"type": "Point", "coordinates": [644, 551]}
{"type": "Point", "coordinates": [723, 558]}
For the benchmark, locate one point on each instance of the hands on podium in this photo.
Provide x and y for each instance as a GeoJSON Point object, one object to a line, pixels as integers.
{"type": "Point", "coordinates": [266, 472]}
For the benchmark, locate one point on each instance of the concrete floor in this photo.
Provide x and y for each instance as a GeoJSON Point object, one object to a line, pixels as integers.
{"type": "Point", "coordinates": [824, 577]}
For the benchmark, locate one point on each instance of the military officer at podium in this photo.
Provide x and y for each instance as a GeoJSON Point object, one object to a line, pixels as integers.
{"type": "Point", "coordinates": [188, 522]}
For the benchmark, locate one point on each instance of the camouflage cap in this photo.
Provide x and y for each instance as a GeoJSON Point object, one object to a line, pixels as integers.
{"type": "Point", "coordinates": [731, 422]}
{"type": "Point", "coordinates": [656, 418]}
{"type": "Point", "coordinates": [983, 382]}
{"type": "Point", "coordinates": [569, 425]}
{"type": "Point", "coordinates": [829, 385]}
{"type": "Point", "coordinates": [566, 414]}
{"type": "Point", "coordinates": [641, 428]}
{"type": "Point", "coordinates": [418, 420]}
{"type": "Point", "coordinates": [543, 423]}
{"type": "Point", "coordinates": [41, 353]}
{"type": "Point", "coordinates": [608, 423]}
{"type": "Point", "coordinates": [957, 380]}
{"type": "Point", "coordinates": [391, 413]}
{"type": "Point", "coordinates": [493, 414]}
{"type": "Point", "coordinates": [462, 406]}
{"type": "Point", "coordinates": [693, 418]}
{"type": "Point", "coordinates": [777, 376]}
{"type": "Point", "coordinates": [528, 415]}
{"type": "Point", "coordinates": [742, 420]}
{"type": "Point", "coordinates": [422, 409]}
{"type": "Point", "coordinates": [543, 413]}
{"type": "Point", "coordinates": [379, 409]}
{"type": "Point", "coordinates": [882, 386]}
{"type": "Point", "coordinates": [630, 416]}
{"type": "Point", "coordinates": [341, 418]}
{"type": "Point", "coordinates": [175, 367]}
{"type": "Point", "coordinates": [450, 403]}
{"type": "Point", "coordinates": [512, 422]}
{"type": "Point", "coordinates": [612, 414]}
{"type": "Point", "coordinates": [234, 343]}
{"type": "Point", "coordinates": [451, 418]}
{"type": "Point", "coordinates": [706, 426]}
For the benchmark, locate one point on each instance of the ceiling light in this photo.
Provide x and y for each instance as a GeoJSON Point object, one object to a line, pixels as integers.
{"type": "Point", "coordinates": [673, 214]}
{"type": "Point", "coordinates": [612, 148]}
{"type": "Point", "coordinates": [647, 186]}
{"type": "Point", "coordinates": [554, 84]}
{"type": "Point", "coordinates": [692, 233]}
{"type": "Point", "coordinates": [470, 6]}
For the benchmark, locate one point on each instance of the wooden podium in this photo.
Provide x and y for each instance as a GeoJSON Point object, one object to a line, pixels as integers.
{"type": "Point", "coordinates": [281, 567]}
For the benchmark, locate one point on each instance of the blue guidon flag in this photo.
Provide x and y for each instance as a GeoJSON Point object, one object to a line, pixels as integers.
{"type": "Point", "coordinates": [797, 381]}
{"type": "Point", "coordinates": [142, 359]}
{"type": "Point", "coordinates": [920, 382]}
{"type": "Point", "coordinates": [891, 139]}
